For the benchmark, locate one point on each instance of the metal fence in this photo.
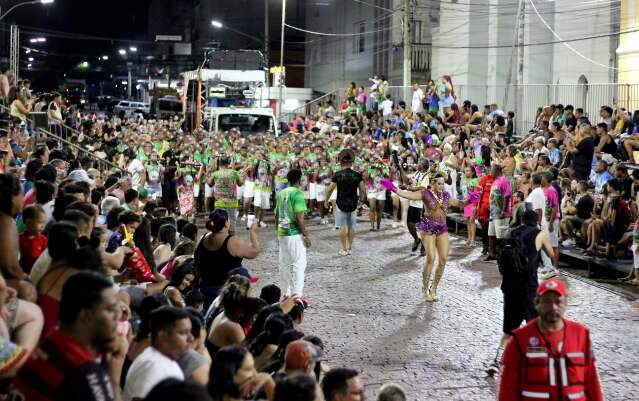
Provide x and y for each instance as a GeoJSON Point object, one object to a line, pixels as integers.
{"type": "Point", "coordinates": [525, 99]}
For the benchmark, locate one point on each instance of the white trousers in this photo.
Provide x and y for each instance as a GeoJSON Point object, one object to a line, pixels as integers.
{"type": "Point", "coordinates": [292, 262]}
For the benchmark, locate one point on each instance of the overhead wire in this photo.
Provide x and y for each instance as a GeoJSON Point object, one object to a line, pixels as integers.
{"type": "Point", "coordinates": [532, 3]}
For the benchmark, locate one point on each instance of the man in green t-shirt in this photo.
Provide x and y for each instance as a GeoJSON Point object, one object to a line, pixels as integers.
{"type": "Point", "coordinates": [290, 208]}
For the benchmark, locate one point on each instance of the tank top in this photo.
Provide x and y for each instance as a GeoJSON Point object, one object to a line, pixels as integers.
{"type": "Point", "coordinates": [213, 266]}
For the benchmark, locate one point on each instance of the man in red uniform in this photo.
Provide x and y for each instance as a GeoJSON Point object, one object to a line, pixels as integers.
{"type": "Point", "coordinates": [550, 358]}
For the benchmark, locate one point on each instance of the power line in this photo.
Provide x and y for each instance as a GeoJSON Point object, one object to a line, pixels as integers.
{"type": "Point", "coordinates": [566, 44]}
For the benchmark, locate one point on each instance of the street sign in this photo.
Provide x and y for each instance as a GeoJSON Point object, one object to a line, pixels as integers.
{"type": "Point", "coordinates": [168, 38]}
{"type": "Point", "coordinates": [277, 70]}
{"type": "Point", "coordinates": [217, 92]}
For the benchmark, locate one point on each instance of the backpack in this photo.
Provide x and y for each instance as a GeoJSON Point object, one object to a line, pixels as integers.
{"type": "Point", "coordinates": [511, 258]}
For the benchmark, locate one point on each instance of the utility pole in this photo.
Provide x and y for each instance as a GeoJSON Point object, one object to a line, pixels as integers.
{"type": "Point", "coordinates": [280, 101]}
{"type": "Point", "coordinates": [14, 51]}
{"type": "Point", "coordinates": [517, 41]}
{"type": "Point", "coordinates": [408, 15]}
{"type": "Point", "coordinates": [266, 36]}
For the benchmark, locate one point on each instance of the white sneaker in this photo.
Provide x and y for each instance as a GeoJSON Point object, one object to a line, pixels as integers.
{"type": "Point", "coordinates": [342, 252]}
{"type": "Point", "coordinates": [262, 224]}
{"type": "Point", "coordinates": [394, 225]}
{"type": "Point", "coordinates": [568, 242]}
{"type": "Point", "coordinates": [243, 219]}
{"type": "Point", "coordinates": [550, 274]}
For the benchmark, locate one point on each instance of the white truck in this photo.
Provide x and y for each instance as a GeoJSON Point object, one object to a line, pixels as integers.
{"type": "Point", "coordinates": [248, 120]}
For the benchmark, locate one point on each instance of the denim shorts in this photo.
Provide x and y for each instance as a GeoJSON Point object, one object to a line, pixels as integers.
{"type": "Point", "coordinates": [345, 219]}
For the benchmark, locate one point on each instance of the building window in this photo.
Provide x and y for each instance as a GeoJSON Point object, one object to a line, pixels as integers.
{"type": "Point", "coordinates": [416, 36]}
{"type": "Point", "coordinates": [359, 42]}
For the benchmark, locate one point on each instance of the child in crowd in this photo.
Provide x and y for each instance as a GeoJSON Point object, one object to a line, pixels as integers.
{"type": "Point", "coordinates": [32, 241]}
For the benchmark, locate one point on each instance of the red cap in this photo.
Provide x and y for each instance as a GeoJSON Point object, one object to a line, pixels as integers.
{"type": "Point", "coordinates": [552, 284]}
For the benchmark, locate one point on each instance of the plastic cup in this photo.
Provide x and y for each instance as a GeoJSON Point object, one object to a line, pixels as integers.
{"type": "Point", "coordinates": [250, 220]}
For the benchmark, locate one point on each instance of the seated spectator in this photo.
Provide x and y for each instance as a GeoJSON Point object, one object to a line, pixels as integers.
{"type": "Point", "coordinates": [180, 284]}
{"type": "Point", "coordinates": [172, 390]}
{"type": "Point", "coordinates": [170, 340]}
{"type": "Point", "coordinates": [131, 200]}
{"type": "Point", "coordinates": [600, 175]}
{"type": "Point", "coordinates": [301, 357]}
{"type": "Point", "coordinates": [32, 242]}
{"type": "Point", "coordinates": [233, 375]}
{"type": "Point", "coordinates": [340, 383]}
{"type": "Point", "coordinates": [605, 144]}
{"type": "Point", "coordinates": [298, 387]}
{"type": "Point", "coordinates": [128, 222]}
{"type": "Point", "coordinates": [195, 299]}
{"type": "Point", "coordinates": [576, 214]}
{"type": "Point", "coordinates": [183, 251]}
{"type": "Point", "coordinates": [88, 321]}
{"type": "Point", "coordinates": [226, 328]}
{"type": "Point", "coordinates": [265, 344]}
{"type": "Point", "coordinates": [20, 327]}
{"type": "Point", "coordinates": [166, 242]}
{"type": "Point", "coordinates": [271, 293]}
{"type": "Point", "coordinates": [196, 363]}
{"type": "Point", "coordinates": [391, 392]}
{"type": "Point", "coordinates": [276, 363]}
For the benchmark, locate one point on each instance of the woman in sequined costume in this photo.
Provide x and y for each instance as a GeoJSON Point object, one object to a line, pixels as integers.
{"type": "Point", "coordinates": [433, 230]}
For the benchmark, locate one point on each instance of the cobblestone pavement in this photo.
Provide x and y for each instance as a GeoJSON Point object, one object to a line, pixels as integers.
{"type": "Point", "coordinates": [367, 308]}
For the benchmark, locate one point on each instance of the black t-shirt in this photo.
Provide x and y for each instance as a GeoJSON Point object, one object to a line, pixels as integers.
{"type": "Point", "coordinates": [88, 382]}
{"type": "Point", "coordinates": [584, 207]}
{"type": "Point", "coordinates": [347, 181]}
{"type": "Point", "coordinates": [571, 122]}
{"type": "Point", "coordinates": [582, 161]}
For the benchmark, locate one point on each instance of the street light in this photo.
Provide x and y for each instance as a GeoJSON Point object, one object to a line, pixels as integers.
{"type": "Point", "coordinates": [217, 24]}
{"type": "Point", "coordinates": [133, 49]}
{"type": "Point", "coordinates": [37, 40]}
{"type": "Point", "coordinates": [26, 3]}
{"type": "Point", "coordinates": [105, 58]}
{"type": "Point", "coordinates": [30, 58]}
{"type": "Point", "coordinates": [122, 52]}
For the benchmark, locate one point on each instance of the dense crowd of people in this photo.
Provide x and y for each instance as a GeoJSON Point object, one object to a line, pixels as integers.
{"type": "Point", "coordinates": [108, 290]}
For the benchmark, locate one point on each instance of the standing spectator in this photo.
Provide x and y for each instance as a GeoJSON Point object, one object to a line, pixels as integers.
{"type": "Point", "coordinates": [348, 182]}
{"type": "Point", "coordinates": [417, 104]}
{"type": "Point", "coordinates": [581, 151]}
{"type": "Point", "coordinates": [535, 358]}
{"type": "Point", "coordinates": [5, 84]}
{"type": "Point", "coordinates": [387, 107]}
{"type": "Point", "coordinates": [520, 285]}
{"type": "Point", "coordinates": [500, 209]}
{"type": "Point", "coordinates": [550, 221]}
{"type": "Point", "coordinates": [290, 209]}
{"type": "Point", "coordinates": [89, 313]}
{"type": "Point", "coordinates": [54, 113]}
{"type": "Point", "coordinates": [219, 252]}
{"type": "Point", "coordinates": [170, 339]}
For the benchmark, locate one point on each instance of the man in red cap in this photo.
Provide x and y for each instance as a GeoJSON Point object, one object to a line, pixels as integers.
{"type": "Point", "coordinates": [550, 358]}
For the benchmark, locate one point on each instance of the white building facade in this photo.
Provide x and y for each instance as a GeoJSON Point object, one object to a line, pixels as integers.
{"type": "Point", "coordinates": [470, 40]}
